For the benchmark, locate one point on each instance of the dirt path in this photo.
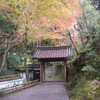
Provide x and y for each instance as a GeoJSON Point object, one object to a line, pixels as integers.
{"type": "Point", "coordinates": [45, 91]}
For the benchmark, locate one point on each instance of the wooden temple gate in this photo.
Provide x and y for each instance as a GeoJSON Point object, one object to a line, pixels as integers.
{"type": "Point", "coordinates": [52, 54]}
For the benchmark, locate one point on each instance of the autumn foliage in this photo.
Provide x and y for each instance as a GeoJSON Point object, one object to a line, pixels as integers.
{"type": "Point", "coordinates": [42, 19]}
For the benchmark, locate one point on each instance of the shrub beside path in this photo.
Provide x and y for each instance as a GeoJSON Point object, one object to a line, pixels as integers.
{"type": "Point", "coordinates": [45, 91]}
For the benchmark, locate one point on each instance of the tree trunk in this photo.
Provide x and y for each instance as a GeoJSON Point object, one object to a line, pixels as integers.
{"type": "Point", "coordinates": [26, 68]}
{"type": "Point", "coordinates": [25, 52]}
{"type": "Point", "coordinates": [3, 62]}
{"type": "Point", "coordinates": [73, 43]}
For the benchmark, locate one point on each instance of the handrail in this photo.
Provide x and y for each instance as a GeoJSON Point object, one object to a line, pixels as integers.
{"type": "Point", "coordinates": [18, 87]}
{"type": "Point", "coordinates": [10, 81]}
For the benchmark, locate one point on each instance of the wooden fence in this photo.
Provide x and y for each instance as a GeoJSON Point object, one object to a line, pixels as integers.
{"type": "Point", "coordinates": [20, 87]}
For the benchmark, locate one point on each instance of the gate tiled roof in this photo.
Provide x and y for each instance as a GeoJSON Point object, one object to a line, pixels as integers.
{"type": "Point", "coordinates": [53, 52]}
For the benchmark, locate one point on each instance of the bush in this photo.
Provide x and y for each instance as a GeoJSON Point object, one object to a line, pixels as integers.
{"type": "Point", "coordinates": [88, 68]}
{"type": "Point", "coordinates": [13, 60]}
{"type": "Point", "coordinates": [8, 76]}
{"type": "Point", "coordinates": [7, 72]}
{"type": "Point", "coordinates": [86, 90]}
{"type": "Point", "coordinates": [59, 69]}
{"type": "Point", "coordinates": [2, 91]}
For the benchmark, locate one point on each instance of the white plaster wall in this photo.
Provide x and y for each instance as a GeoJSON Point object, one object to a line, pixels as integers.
{"type": "Point", "coordinates": [23, 75]}
{"type": "Point", "coordinates": [31, 74]}
{"type": "Point", "coordinates": [10, 83]}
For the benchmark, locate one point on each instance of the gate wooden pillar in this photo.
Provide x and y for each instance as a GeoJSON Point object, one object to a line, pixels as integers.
{"type": "Point", "coordinates": [65, 71]}
{"type": "Point", "coordinates": [42, 71]}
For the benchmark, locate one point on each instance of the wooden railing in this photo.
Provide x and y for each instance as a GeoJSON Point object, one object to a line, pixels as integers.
{"type": "Point", "coordinates": [14, 88]}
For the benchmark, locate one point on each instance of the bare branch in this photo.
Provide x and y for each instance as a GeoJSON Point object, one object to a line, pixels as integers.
{"type": "Point", "coordinates": [4, 57]}
{"type": "Point", "coordinates": [9, 34]}
{"type": "Point", "coordinates": [73, 42]}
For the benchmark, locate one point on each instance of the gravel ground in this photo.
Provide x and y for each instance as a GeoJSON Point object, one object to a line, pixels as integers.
{"type": "Point", "coordinates": [45, 91]}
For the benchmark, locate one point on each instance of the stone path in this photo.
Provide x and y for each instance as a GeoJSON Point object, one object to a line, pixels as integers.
{"type": "Point", "coordinates": [45, 91]}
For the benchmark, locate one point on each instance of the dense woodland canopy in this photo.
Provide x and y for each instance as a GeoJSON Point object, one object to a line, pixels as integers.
{"type": "Point", "coordinates": [25, 24]}
{"type": "Point", "coordinates": [30, 22]}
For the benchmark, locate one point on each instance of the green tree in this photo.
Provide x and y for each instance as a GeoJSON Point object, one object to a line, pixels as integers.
{"type": "Point", "coordinates": [86, 62]}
